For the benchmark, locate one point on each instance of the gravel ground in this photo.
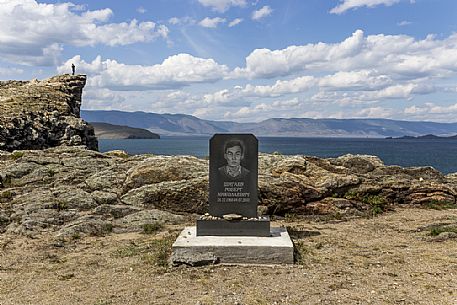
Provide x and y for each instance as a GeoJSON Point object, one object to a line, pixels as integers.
{"type": "Point", "coordinates": [390, 259]}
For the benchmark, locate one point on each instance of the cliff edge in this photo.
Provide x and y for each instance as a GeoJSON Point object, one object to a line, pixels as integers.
{"type": "Point", "coordinates": [41, 114]}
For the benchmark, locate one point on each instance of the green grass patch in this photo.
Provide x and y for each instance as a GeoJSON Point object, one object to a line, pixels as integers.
{"type": "Point", "coordinates": [352, 195]}
{"type": "Point", "coordinates": [151, 228]}
{"type": "Point", "coordinates": [437, 230]}
{"type": "Point", "coordinates": [440, 205]}
{"type": "Point", "coordinates": [160, 251]}
{"type": "Point", "coordinates": [154, 252]}
{"type": "Point", "coordinates": [291, 217]}
{"type": "Point", "coordinates": [17, 155]}
{"type": "Point", "coordinates": [129, 250]}
{"type": "Point", "coordinates": [377, 204]}
{"type": "Point", "coordinates": [7, 195]}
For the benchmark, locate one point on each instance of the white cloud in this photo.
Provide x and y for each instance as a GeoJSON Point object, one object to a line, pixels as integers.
{"type": "Point", "coordinates": [8, 71]}
{"type": "Point", "coordinates": [239, 95]}
{"type": "Point", "coordinates": [35, 33]}
{"type": "Point", "coordinates": [404, 23]}
{"type": "Point", "coordinates": [374, 112]}
{"type": "Point", "coordinates": [261, 13]}
{"type": "Point", "coordinates": [174, 20]}
{"type": "Point", "coordinates": [398, 56]}
{"type": "Point", "coordinates": [235, 22]}
{"type": "Point", "coordinates": [432, 112]}
{"type": "Point", "coordinates": [141, 10]}
{"type": "Point", "coordinates": [364, 95]}
{"type": "Point", "coordinates": [281, 87]}
{"type": "Point", "coordinates": [222, 5]}
{"type": "Point", "coordinates": [211, 22]}
{"type": "Point", "coordinates": [264, 110]}
{"type": "Point", "coordinates": [181, 20]}
{"type": "Point", "coordinates": [346, 5]}
{"type": "Point", "coordinates": [174, 72]}
{"type": "Point", "coordinates": [431, 108]}
{"type": "Point", "coordinates": [355, 80]}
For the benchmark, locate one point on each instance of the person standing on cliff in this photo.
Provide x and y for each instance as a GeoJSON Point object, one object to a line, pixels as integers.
{"type": "Point", "coordinates": [73, 69]}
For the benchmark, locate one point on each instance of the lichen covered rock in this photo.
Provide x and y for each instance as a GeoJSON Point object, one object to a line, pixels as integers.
{"type": "Point", "coordinates": [74, 191]}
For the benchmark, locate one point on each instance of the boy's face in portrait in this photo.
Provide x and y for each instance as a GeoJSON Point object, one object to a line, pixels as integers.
{"type": "Point", "coordinates": [233, 156]}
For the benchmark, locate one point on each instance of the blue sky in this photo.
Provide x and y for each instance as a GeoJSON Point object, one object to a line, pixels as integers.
{"type": "Point", "coordinates": [244, 60]}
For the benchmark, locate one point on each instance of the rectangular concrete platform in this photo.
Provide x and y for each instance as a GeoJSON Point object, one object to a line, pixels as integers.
{"type": "Point", "coordinates": [194, 250]}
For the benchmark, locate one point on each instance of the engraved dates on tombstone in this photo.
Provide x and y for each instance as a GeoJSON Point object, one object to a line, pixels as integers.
{"type": "Point", "coordinates": [233, 169]}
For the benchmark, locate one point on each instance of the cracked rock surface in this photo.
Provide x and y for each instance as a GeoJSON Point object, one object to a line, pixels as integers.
{"type": "Point", "coordinates": [74, 190]}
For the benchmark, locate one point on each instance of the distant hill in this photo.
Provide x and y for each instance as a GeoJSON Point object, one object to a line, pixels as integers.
{"type": "Point", "coordinates": [427, 137]}
{"type": "Point", "coordinates": [110, 131]}
{"type": "Point", "coordinates": [181, 124]}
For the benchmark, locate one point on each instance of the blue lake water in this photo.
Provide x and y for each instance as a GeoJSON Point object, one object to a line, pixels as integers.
{"type": "Point", "coordinates": [441, 153]}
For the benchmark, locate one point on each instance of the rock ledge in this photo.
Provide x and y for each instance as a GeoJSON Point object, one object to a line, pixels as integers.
{"type": "Point", "coordinates": [42, 114]}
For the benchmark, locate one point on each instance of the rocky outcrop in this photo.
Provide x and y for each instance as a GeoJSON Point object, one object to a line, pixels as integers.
{"type": "Point", "coordinates": [110, 131]}
{"type": "Point", "coordinates": [73, 190]}
{"type": "Point", "coordinates": [41, 114]}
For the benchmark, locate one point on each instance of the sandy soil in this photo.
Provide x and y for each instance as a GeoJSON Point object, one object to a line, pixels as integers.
{"type": "Point", "coordinates": [390, 259]}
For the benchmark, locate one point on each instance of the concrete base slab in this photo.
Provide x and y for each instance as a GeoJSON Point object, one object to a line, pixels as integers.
{"type": "Point", "coordinates": [194, 250]}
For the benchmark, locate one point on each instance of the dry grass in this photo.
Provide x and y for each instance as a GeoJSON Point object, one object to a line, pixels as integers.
{"type": "Point", "coordinates": [390, 259]}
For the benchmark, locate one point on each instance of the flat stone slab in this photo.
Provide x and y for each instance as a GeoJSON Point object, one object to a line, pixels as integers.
{"type": "Point", "coordinates": [222, 227]}
{"type": "Point", "coordinates": [194, 250]}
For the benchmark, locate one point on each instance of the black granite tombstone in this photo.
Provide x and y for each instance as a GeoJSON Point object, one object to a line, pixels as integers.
{"type": "Point", "coordinates": [233, 175]}
{"type": "Point", "coordinates": [233, 172]}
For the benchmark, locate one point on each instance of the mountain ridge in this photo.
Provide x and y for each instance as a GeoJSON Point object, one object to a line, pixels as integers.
{"type": "Point", "coordinates": [183, 124]}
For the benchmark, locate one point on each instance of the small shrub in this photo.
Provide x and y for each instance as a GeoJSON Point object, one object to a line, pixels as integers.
{"type": "Point", "coordinates": [51, 172]}
{"type": "Point", "coordinates": [377, 204]}
{"type": "Point", "coordinates": [6, 195]}
{"type": "Point", "coordinates": [301, 251]}
{"type": "Point", "coordinates": [290, 217]}
{"type": "Point", "coordinates": [17, 155]}
{"type": "Point", "coordinates": [6, 181]}
{"type": "Point", "coordinates": [351, 195]}
{"type": "Point", "coordinates": [150, 228]}
{"type": "Point", "coordinates": [60, 205]}
{"type": "Point", "coordinates": [107, 228]}
{"type": "Point", "coordinates": [76, 236]}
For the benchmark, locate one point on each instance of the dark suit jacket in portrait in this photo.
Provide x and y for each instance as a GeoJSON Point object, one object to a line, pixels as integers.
{"type": "Point", "coordinates": [226, 177]}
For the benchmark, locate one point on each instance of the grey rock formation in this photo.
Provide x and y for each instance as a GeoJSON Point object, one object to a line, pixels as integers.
{"type": "Point", "coordinates": [73, 190]}
{"type": "Point", "coordinates": [42, 114]}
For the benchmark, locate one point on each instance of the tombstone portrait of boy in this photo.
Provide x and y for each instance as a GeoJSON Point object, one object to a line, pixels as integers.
{"type": "Point", "coordinates": [233, 155]}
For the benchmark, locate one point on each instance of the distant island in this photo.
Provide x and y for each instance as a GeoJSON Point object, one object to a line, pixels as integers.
{"type": "Point", "coordinates": [424, 137]}
{"type": "Point", "coordinates": [188, 125]}
{"type": "Point", "coordinates": [111, 131]}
